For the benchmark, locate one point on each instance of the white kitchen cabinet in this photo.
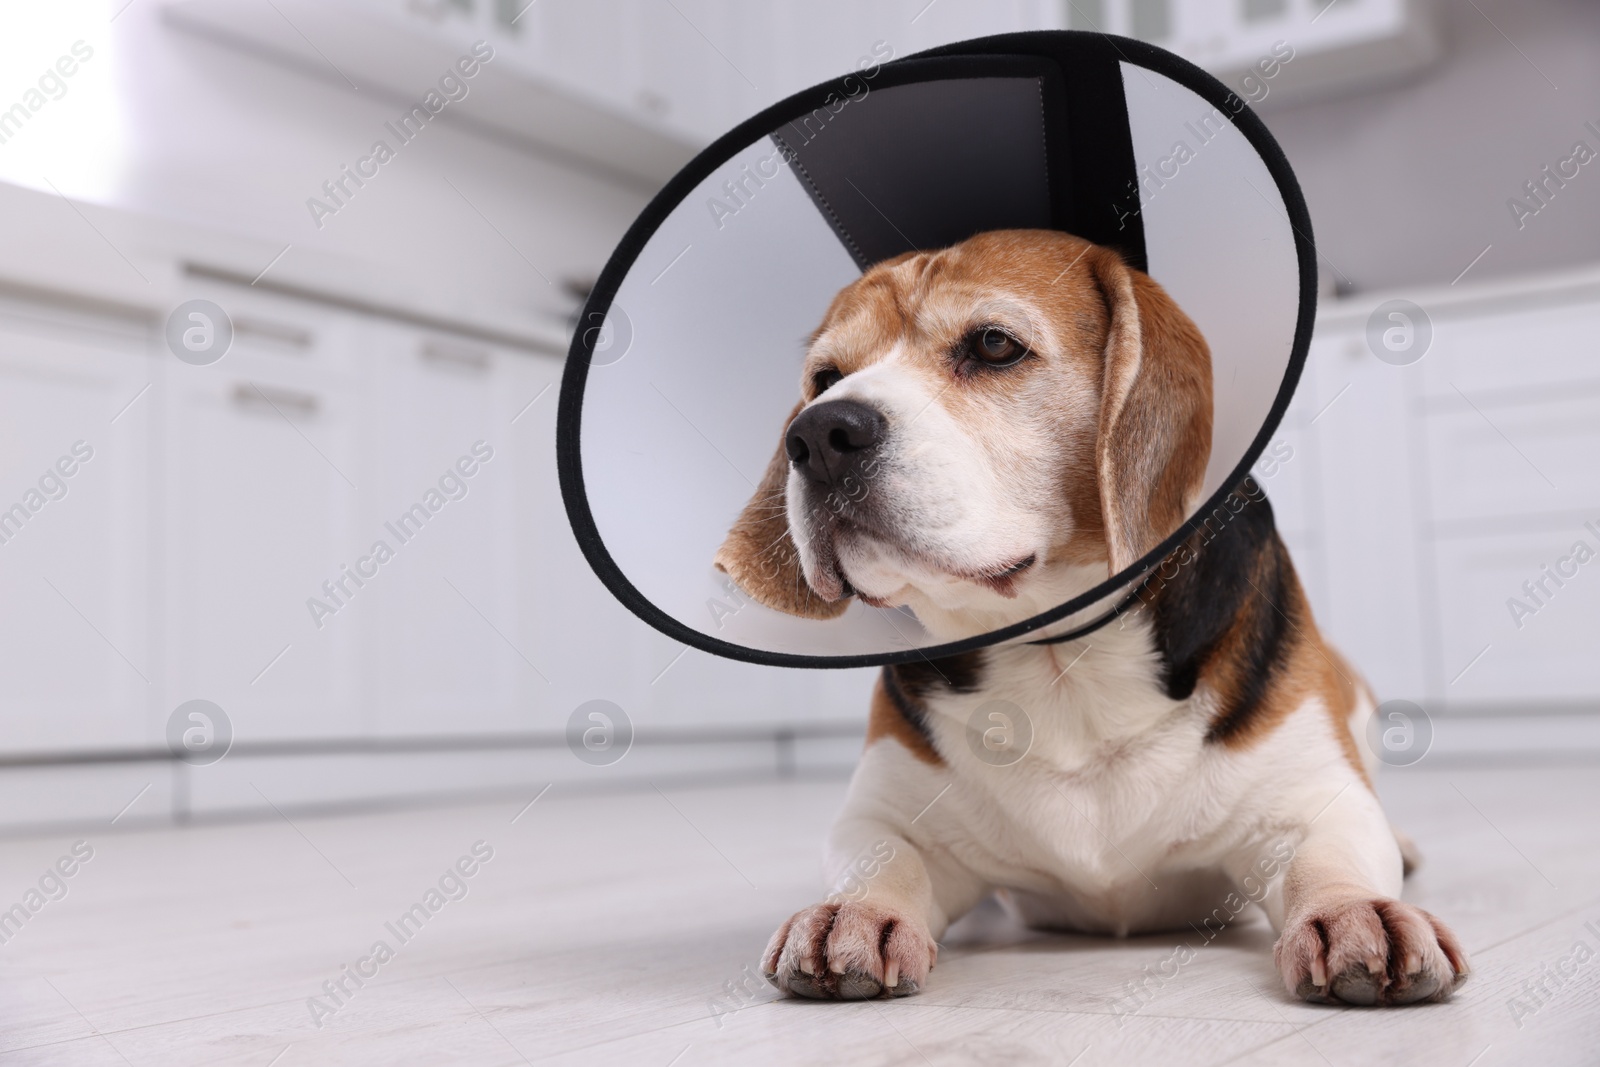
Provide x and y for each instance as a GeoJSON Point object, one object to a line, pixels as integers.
{"type": "Point", "coordinates": [584, 641]}
{"type": "Point", "coordinates": [1520, 662]}
{"type": "Point", "coordinates": [1356, 522]}
{"type": "Point", "coordinates": [484, 618]}
{"type": "Point", "coordinates": [1453, 481]}
{"type": "Point", "coordinates": [476, 617]}
{"type": "Point", "coordinates": [1510, 403]}
{"type": "Point", "coordinates": [262, 473]}
{"type": "Point", "coordinates": [77, 654]}
{"type": "Point", "coordinates": [446, 650]}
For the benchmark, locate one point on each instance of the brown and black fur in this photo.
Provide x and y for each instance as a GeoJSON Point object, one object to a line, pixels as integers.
{"type": "Point", "coordinates": [1226, 610]}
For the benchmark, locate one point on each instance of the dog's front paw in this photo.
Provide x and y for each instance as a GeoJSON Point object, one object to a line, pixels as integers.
{"type": "Point", "coordinates": [1369, 952]}
{"type": "Point", "coordinates": [850, 951]}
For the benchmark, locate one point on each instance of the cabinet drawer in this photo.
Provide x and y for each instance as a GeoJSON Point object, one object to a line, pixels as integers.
{"type": "Point", "coordinates": [1513, 459]}
{"type": "Point", "coordinates": [1547, 656]}
{"type": "Point", "coordinates": [1522, 350]}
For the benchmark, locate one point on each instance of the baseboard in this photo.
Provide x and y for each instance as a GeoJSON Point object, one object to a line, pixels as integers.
{"type": "Point", "coordinates": [1490, 737]}
{"type": "Point", "coordinates": [75, 792]}
{"type": "Point", "coordinates": [79, 792]}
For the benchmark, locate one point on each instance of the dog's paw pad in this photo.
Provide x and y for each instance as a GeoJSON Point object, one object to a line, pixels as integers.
{"type": "Point", "coordinates": [804, 985]}
{"type": "Point", "coordinates": [1357, 985]}
{"type": "Point", "coordinates": [1369, 952]}
{"type": "Point", "coordinates": [850, 951]}
{"type": "Point", "coordinates": [853, 985]}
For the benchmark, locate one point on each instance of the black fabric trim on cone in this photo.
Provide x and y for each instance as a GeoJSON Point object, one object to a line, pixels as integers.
{"type": "Point", "coordinates": [1099, 200]}
{"type": "Point", "coordinates": [958, 149]}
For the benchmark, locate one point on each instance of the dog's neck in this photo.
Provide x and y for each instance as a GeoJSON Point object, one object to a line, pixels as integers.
{"type": "Point", "coordinates": [1085, 693]}
{"type": "Point", "coordinates": [1099, 689]}
{"type": "Point", "coordinates": [954, 614]}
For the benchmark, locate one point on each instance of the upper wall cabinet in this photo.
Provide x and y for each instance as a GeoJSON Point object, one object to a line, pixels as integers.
{"type": "Point", "coordinates": [524, 83]}
{"type": "Point", "coordinates": [635, 87]}
{"type": "Point", "coordinates": [1274, 52]}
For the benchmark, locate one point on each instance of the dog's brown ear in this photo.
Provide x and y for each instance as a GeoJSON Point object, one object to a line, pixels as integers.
{"type": "Point", "coordinates": [1155, 413]}
{"type": "Point", "coordinates": [760, 556]}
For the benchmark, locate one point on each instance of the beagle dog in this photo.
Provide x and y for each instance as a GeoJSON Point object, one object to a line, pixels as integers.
{"type": "Point", "coordinates": [984, 432]}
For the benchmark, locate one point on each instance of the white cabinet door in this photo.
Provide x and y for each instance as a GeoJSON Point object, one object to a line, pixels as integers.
{"type": "Point", "coordinates": [1539, 654]}
{"type": "Point", "coordinates": [448, 647]}
{"type": "Point", "coordinates": [1448, 486]}
{"type": "Point", "coordinates": [1354, 429]}
{"type": "Point", "coordinates": [1511, 414]}
{"type": "Point", "coordinates": [76, 652]}
{"type": "Point", "coordinates": [263, 481]}
{"type": "Point", "coordinates": [586, 643]}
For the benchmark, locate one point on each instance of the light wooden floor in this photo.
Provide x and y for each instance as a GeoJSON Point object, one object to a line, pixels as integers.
{"type": "Point", "coordinates": [604, 927]}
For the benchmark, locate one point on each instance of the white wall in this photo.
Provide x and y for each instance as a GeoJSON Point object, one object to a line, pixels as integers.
{"type": "Point", "coordinates": [1408, 183]}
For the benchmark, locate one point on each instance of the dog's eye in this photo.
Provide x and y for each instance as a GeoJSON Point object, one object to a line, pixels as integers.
{"type": "Point", "coordinates": [995, 347]}
{"type": "Point", "coordinates": [825, 379]}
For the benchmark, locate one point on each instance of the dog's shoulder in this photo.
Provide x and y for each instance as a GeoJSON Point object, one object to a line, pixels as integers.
{"type": "Point", "coordinates": [1230, 619]}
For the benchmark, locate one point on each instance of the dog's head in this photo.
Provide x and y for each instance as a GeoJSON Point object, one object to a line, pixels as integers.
{"type": "Point", "coordinates": [983, 431]}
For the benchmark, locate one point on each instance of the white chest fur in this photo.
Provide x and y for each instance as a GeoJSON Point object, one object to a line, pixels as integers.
{"type": "Point", "coordinates": [1097, 799]}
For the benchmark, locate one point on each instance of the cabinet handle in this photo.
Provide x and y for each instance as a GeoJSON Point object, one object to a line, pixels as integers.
{"type": "Point", "coordinates": [285, 402]}
{"type": "Point", "coordinates": [281, 332]}
{"type": "Point", "coordinates": [458, 357]}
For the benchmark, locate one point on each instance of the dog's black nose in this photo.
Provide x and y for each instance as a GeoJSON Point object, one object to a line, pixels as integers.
{"type": "Point", "coordinates": [830, 440]}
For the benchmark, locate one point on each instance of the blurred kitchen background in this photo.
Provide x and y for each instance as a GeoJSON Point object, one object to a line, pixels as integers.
{"type": "Point", "coordinates": [154, 152]}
